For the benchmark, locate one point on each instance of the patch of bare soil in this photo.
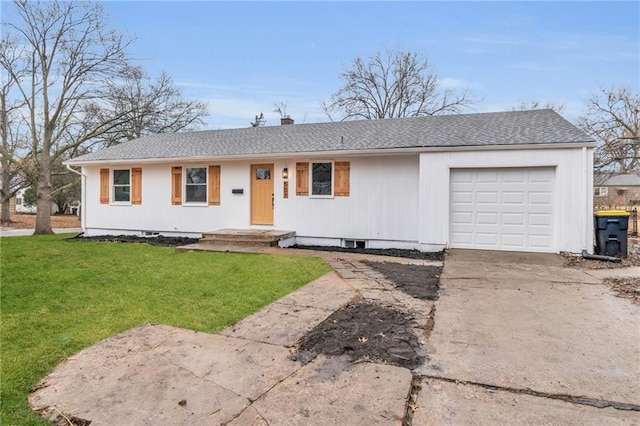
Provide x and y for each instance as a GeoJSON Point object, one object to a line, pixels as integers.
{"type": "Point", "coordinates": [419, 281]}
{"type": "Point", "coordinates": [363, 332]}
{"type": "Point", "coordinates": [366, 331]}
{"type": "Point", "coordinates": [628, 288]}
{"type": "Point", "coordinates": [28, 221]}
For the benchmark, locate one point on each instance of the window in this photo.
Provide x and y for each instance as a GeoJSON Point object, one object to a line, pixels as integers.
{"type": "Point", "coordinates": [322, 179]}
{"type": "Point", "coordinates": [195, 185]}
{"type": "Point", "coordinates": [121, 186]}
{"type": "Point", "coordinates": [327, 179]}
{"type": "Point", "coordinates": [201, 185]}
{"type": "Point", "coordinates": [600, 191]}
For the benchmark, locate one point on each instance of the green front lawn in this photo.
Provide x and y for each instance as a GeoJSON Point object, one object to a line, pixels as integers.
{"type": "Point", "coordinates": [58, 297]}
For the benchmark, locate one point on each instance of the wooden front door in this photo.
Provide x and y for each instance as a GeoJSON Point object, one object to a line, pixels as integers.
{"type": "Point", "coordinates": [262, 194]}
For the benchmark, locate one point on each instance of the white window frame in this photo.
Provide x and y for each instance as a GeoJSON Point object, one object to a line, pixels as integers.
{"type": "Point", "coordinates": [333, 177]}
{"type": "Point", "coordinates": [185, 202]}
{"type": "Point", "coordinates": [113, 186]}
{"type": "Point", "coordinates": [602, 191]}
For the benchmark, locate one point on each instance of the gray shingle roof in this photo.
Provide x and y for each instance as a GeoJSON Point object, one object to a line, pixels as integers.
{"type": "Point", "coordinates": [463, 130]}
{"type": "Point", "coordinates": [623, 180]}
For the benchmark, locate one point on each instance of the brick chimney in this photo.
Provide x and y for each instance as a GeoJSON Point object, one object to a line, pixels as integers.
{"type": "Point", "coordinates": [286, 121]}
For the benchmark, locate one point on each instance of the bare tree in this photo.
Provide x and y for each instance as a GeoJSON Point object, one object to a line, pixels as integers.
{"type": "Point", "coordinates": [146, 106]}
{"type": "Point", "coordinates": [11, 130]}
{"type": "Point", "coordinates": [613, 119]}
{"type": "Point", "coordinates": [535, 104]}
{"type": "Point", "coordinates": [281, 108]}
{"type": "Point", "coordinates": [259, 121]}
{"type": "Point", "coordinates": [69, 55]}
{"type": "Point", "coordinates": [390, 85]}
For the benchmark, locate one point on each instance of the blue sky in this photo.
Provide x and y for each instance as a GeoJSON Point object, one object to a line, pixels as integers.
{"type": "Point", "coordinates": [241, 57]}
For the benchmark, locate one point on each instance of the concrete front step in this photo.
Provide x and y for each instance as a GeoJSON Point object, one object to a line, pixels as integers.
{"type": "Point", "coordinates": [245, 237]}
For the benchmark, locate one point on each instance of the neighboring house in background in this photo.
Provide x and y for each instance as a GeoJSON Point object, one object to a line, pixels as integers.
{"type": "Point", "coordinates": [517, 181]}
{"type": "Point", "coordinates": [21, 207]}
{"type": "Point", "coordinates": [617, 191]}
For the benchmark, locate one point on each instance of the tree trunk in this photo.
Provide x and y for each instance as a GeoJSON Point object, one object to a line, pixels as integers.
{"type": "Point", "coordinates": [6, 194]}
{"type": "Point", "coordinates": [43, 213]}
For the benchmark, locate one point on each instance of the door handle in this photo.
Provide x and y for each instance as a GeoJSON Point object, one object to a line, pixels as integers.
{"type": "Point", "coordinates": [272, 201]}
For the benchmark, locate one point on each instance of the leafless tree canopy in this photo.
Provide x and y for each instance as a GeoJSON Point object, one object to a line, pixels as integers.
{"type": "Point", "coordinates": [68, 55]}
{"type": "Point", "coordinates": [535, 104]}
{"type": "Point", "coordinates": [613, 119]}
{"type": "Point", "coordinates": [390, 85]}
{"type": "Point", "coordinates": [12, 130]}
{"type": "Point", "coordinates": [145, 106]}
{"type": "Point", "coordinates": [76, 88]}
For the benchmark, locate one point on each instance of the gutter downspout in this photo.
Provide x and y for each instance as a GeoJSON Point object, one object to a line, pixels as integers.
{"type": "Point", "coordinates": [83, 185]}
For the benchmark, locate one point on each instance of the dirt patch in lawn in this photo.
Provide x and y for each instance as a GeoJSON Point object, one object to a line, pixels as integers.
{"type": "Point", "coordinates": [421, 282]}
{"type": "Point", "coordinates": [365, 331]}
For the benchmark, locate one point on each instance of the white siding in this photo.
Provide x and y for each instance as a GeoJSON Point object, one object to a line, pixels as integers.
{"type": "Point", "coordinates": [382, 205]}
{"type": "Point", "coordinates": [572, 203]}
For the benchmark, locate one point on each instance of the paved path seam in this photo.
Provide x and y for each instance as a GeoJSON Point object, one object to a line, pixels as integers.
{"type": "Point", "coordinates": [572, 399]}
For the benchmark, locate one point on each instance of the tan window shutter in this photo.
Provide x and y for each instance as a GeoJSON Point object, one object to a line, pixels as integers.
{"type": "Point", "coordinates": [302, 178]}
{"type": "Point", "coordinates": [176, 185]}
{"type": "Point", "coordinates": [341, 179]}
{"type": "Point", "coordinates": [136, 185]}
{"type": "Point", "coordinates": [104, 186]}
{"type": "Point", "coordinates": [214, 185]}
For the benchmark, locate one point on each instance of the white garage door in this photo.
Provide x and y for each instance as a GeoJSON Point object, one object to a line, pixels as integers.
{"type": "Point", "coordinates": [502, 209]}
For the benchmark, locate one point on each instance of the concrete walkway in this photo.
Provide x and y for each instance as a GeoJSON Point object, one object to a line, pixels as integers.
{"type": "Point", "coordinates": [511, 334]}
{"type": "Point", "coordinates": [11, 232]}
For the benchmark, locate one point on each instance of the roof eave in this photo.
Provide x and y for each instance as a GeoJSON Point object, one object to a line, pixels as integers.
{"type": "Point", "coordinates": [334, 153]}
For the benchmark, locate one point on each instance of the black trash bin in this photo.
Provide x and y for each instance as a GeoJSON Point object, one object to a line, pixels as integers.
{"type": "Point", "coordinates": [611, 232]}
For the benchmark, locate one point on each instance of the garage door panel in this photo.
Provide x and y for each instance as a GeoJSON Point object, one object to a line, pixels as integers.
{"type": "Point", "coordinates": [487, 197]}
{"type": "Point", "coordinates": [488, 218]}
{"type": "Point", "coordinates": [513, 177]}
{"type": "Point", "coordinates": [502, 209]}
{"type": "Point", "coordinates": [513, 218]}
{"type": "Point", "coordinates": [540, 219]}
{"type": "Point", "coordinates": [462, 197]}
{"type": "Point", "coordinates": [514, 241]}
{"type": "Point", "coordinates": [513, 197]}
{"type": "Point", "coordinates": [488, 240]}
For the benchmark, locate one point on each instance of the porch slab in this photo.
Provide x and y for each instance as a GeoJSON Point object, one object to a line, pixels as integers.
{"type": "Point", "coordinates": [237, 240]}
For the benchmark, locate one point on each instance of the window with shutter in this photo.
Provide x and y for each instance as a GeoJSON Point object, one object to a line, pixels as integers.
{"type": "Point", "coordinates": [214, 185]}
{"type": "Point", "coordinates": [176, 185]}
{"type": "Point", "coordinates": [104, 186]}
{"type": "Point", "coordinates": [136, 185]}
{"type": "Point", "coordinates": [341, 179]}
{"type": "Point", "coordinates": [302, 178]}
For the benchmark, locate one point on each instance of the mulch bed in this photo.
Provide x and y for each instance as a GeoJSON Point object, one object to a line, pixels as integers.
{"type": "Point", "coordinates": [366, 331]}
{"type": "Point", "coordinates": [159, 240]}
{"type": "Point", "coordinates": [421, 282]}
{"type": "Point", "coordinates": [363, 332]}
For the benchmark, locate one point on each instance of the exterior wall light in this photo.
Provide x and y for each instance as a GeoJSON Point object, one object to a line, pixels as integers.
{"type": "Point", "coordinates": [285, 173]}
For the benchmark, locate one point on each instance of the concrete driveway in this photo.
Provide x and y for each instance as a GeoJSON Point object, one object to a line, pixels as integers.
{"type": "Point", "coordinates": [519, 339]}
{"type": "Point", "coordinates": [513, 339]}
